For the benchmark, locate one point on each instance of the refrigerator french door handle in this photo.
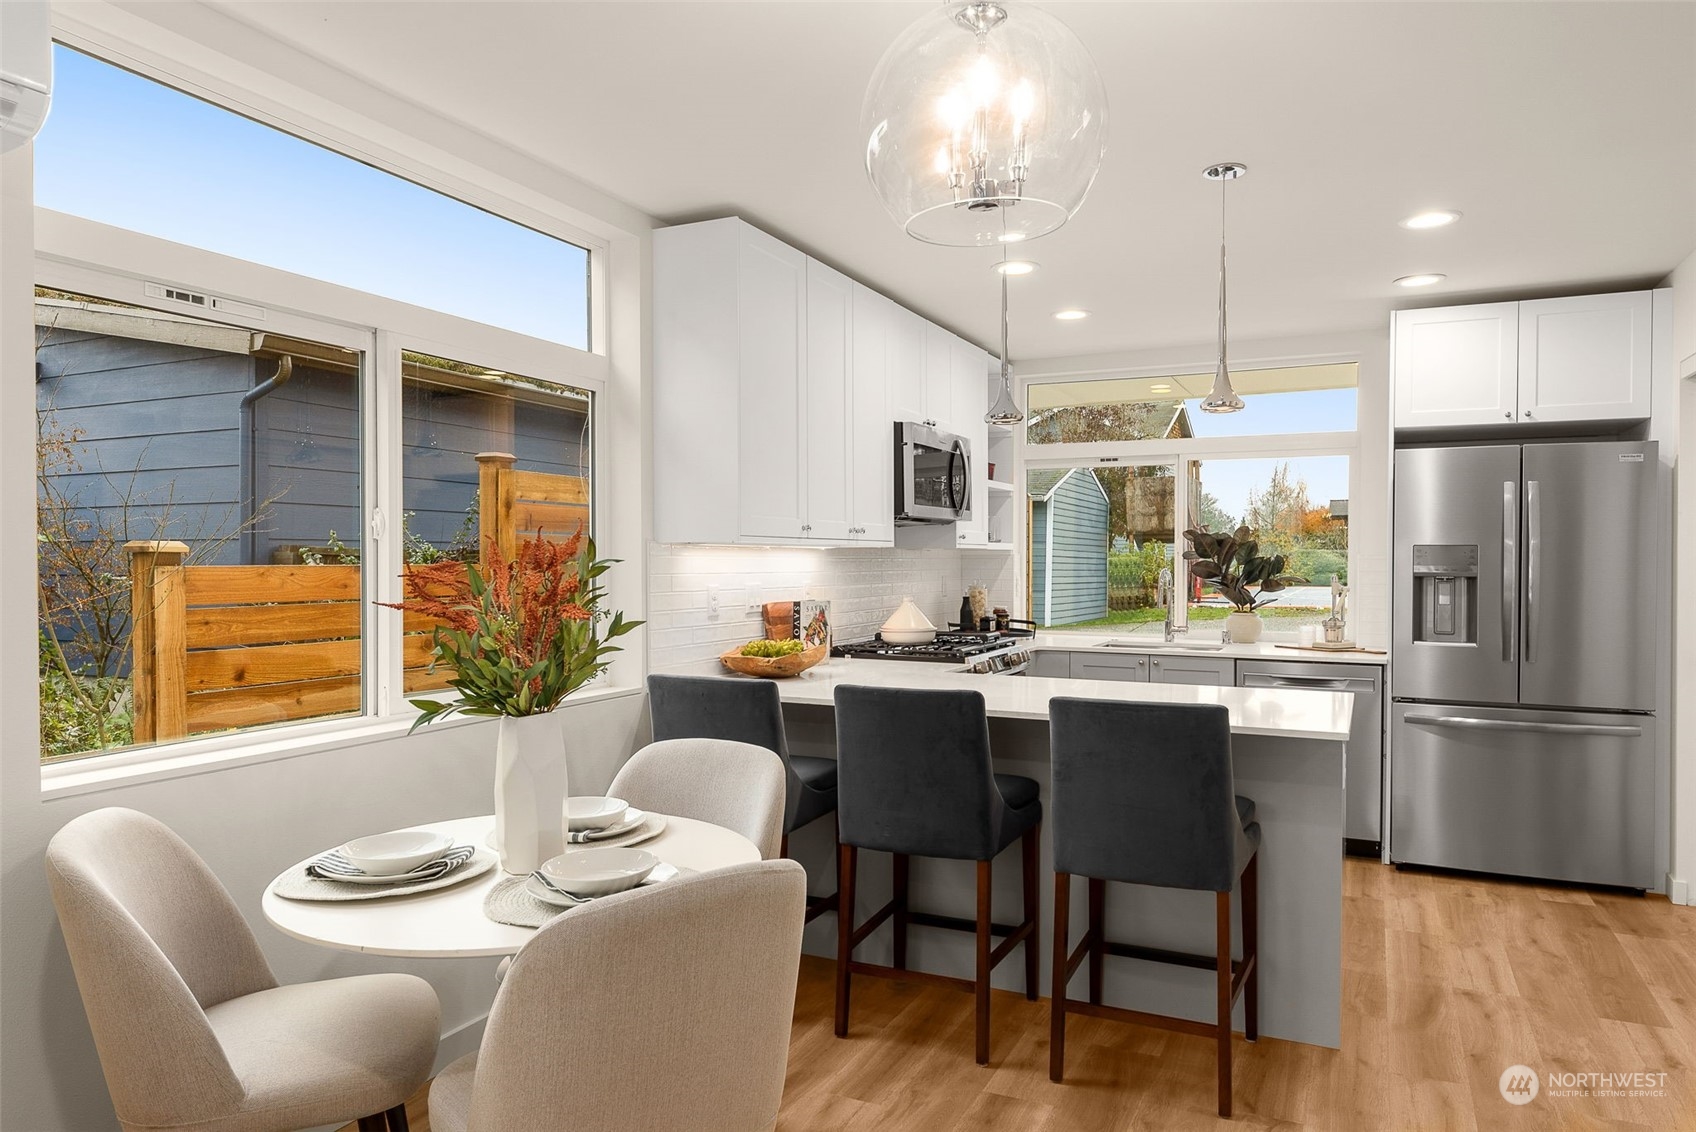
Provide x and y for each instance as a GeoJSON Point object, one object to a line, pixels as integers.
{"type": "Point", "coordinates": [1533, 565]}
{"type": "Point", "coordinates": [1510, 568]}
{"type": "Point", "coordinates": [1473, 723]}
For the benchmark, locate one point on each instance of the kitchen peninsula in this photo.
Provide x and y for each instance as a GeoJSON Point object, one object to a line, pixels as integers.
{"type": "Point", "coordinates": [1287, 747]}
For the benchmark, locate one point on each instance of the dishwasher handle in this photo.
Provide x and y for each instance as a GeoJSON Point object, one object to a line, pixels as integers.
{"type": "Point", "coordinates": [1316, 683]}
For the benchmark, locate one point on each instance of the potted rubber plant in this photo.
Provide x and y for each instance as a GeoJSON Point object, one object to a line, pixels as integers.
{"type": "Point", "coordinates": [1232, 566]}
{"type": "Point", "coordinates": [520, 635]}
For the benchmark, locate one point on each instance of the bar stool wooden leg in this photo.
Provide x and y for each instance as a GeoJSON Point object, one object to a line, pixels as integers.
{"type": "Point", "coordinates": [396, 1117]}
{"type": "Point", "coordinates": [981, 985]}
{"type": "Point", "coordinates": [1057, 1001]}
{"type": "Point", "coordinates": [1251, 948]}
{"type": "Point", "coordinates": [846, 861]}
{"type": "Point", "coordinates": [1033, 954]}
{"type": "Point", "coordinates": [903, 871]}
{"type": "Point", "coordinates": [1097, 936]}
{"type": "Point", "coordinates": [783, 846]}
{"type": "Point", "coordinates": [376, 1122]}
{"type": "Point", "coordinates": [1222, 968]}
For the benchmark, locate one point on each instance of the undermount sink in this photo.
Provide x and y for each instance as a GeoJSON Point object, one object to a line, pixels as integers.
{"type": "Point", "coordinates": [1156, 645]}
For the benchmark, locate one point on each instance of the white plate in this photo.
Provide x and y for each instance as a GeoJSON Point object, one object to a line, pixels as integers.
{"type": "Point", "coordinates": [587, 812]}
{"type": "Point", "coordinates": [633, 819]}
{"type": "Point", "coordinates": [388, 855]}
{"type": "Point", "coordinates": [548, 894]}
{"type": "Point", "coordinates": [598, 871]}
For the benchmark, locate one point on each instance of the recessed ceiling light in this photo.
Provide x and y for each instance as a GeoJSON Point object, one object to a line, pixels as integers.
{"type": "Point", "coordinates": [1160, 389]}
{"type": "Point", "coordinates": [1015, 267]}
{"type": "Point", "coordinates": [1436, 218]}
{"type": "Point", "coordinates": [1419, 280]}
{"type": "Point", "coordinates": [1071, 315]}
{"type": "Point", "coordinates": [1010, 237]}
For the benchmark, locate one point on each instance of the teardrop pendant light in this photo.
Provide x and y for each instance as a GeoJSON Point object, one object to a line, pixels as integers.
{"type": "Point", "coordinates": [984, 123]}
{"type": "Point", "coordinates": [1222, 398]}
{"type": "Point", "coordinates": [1005, 411]}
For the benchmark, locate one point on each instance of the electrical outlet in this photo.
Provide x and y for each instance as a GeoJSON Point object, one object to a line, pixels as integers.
{"type": "Point", "coordinates": [712, 599]}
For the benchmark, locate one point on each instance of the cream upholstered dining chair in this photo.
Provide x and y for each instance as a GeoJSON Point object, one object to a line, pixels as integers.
{"type": "Point", "coordinates": [666, 1008]}
{"type": "Point", "coordinates": [736, 785]}
{"type": "Point", "coordinates": [190, 1024]}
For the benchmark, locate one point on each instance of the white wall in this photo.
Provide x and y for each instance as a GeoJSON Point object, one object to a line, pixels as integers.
{"type": "Point", "coordinates": [862, 586]}
{"type": "Point", "coordinates": [1369, 509]}
{"type": "Point", "coordinates": [1682, 880]}
{"type": "Point", "coordinates": [252, 820]}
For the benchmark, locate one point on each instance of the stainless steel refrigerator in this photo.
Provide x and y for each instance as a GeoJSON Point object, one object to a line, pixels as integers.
{"type": "Point", "coordinates": [1526, 609]}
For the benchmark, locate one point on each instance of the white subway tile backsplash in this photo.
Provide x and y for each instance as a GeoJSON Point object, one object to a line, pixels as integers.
{"type": "Point", "coordinates": [862, 586]}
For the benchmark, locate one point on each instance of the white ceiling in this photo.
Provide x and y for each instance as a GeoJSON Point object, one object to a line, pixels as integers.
{"type": "Point", "coordinates": [1565, 132]}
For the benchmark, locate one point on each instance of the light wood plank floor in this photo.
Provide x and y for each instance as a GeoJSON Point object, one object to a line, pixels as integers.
{"type": "Point", "coordinates": [1447, 981]}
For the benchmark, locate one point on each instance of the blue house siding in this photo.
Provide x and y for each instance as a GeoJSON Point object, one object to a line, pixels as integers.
{"type": "Point", "coordinates": [1069, 551]}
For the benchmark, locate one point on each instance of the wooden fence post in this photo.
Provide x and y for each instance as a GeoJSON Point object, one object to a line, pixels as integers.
{"type": "Point", "coordinates": [158, 640]}
{"type": "Point", "coordinates": [495, 501]}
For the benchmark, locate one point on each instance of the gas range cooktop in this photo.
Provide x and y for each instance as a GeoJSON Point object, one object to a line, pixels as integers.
{"type": "Point", "coordinates": [952, 646]}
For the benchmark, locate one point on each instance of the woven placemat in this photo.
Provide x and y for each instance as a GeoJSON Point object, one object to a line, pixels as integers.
{"type": "Point", "coordinates": [296, 885]}
{"type": "Point", "coordinates": [508, 903]}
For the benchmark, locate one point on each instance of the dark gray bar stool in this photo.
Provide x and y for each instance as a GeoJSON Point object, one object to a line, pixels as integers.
{"type": "Point", "coordinates": [915, 779]}
{"type": "Point", "coordinates": [1143, 794]}
{"type": "Point", "coordinates": [747, 711]}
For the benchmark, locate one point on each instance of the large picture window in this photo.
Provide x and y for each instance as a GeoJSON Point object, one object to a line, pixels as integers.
{"type": "Point", "coordinates": [1117, 468]}
{"type": "Point", "coordinates": [249, 429]}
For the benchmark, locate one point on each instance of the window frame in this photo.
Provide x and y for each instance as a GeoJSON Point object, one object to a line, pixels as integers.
{"type": "Point", "coordinates": [87, 257]}
{"type": "Point", "coordinates": [1181, 454]}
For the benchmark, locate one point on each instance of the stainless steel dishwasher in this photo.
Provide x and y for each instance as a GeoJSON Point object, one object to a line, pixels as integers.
{"type": "Point", "coordinates": [1363, 777]}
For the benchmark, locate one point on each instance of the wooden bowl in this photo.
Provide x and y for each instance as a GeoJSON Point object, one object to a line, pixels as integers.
{"type": "Point", "coordinates": [774, 667]}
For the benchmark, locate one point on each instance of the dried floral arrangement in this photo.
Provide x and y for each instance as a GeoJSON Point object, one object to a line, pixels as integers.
{"type": "Point", "coordinates": [520, 634]}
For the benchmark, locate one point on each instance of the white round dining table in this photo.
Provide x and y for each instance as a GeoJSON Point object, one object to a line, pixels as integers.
{"type": "Point", "coordinates": [449, 922]}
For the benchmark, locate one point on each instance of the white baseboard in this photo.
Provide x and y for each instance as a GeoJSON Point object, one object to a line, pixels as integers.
{"type": "Point", "coordinates": [1678, 890]}
{"type": "Point", "coordinates": [458, 1042]}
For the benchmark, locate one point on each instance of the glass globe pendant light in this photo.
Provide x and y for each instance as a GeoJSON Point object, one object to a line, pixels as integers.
{"type": "Point", "coordinates": [984, 123]}
{"type": "Point", "coordinates": [1222, 398]}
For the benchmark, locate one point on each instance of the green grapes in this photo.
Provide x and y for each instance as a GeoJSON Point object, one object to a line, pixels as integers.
{"type": "Point", "coordinates": [773, 648]}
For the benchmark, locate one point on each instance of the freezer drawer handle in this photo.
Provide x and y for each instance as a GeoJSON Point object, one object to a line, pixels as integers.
{"type": "Point", "coordinates": [1623, 730]}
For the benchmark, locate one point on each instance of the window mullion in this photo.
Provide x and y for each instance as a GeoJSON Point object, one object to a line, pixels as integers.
{"type": "Point", "coordinates": [384, 661]}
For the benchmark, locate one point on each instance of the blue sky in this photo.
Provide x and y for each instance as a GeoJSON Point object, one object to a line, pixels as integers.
{"type": "Point", "coordinates": [129, 152]}
{"type": "Point", "coordinates": [1322, 410]}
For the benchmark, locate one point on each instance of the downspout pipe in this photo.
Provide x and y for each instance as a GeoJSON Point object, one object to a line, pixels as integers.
{"type": "Point", "coordinates": [249, 456]}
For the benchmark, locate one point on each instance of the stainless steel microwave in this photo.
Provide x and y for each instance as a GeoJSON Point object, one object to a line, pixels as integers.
{"type": "Point", "coordinates": [933, 475]}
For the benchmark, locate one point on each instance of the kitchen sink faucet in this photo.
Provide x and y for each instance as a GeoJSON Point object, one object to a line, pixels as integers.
{"type": "Point", "coordinates": [1166, 594]}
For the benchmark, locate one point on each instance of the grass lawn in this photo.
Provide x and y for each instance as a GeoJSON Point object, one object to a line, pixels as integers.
{"type": "Point", "coordinates": [1198, 615]}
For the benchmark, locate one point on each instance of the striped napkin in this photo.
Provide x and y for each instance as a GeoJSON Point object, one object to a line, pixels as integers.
{"type": "Point", "coordinates": [334, 866]}
{"type": "Point", "coordinates": [618, 829]}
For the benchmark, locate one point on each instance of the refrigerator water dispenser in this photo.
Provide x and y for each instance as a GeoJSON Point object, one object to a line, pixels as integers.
{"type": "Point", "coordinates": [1445, 593]}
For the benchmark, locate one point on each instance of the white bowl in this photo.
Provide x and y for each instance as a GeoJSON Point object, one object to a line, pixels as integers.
{"type": "Point", "coordinates": [598, 872]}
{"type": "Point", "coordinates": [909, 636]}
{"type": "Point", "coordinates": [389, 854]}
{"type": "Point", "coordinates": [589, 812]}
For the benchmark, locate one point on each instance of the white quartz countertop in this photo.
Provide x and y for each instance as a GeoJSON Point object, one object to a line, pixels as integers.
{"type": "Point", "coordinates": [1283, 713]}
{"type": "Point", "coordinates": [1263, 650]}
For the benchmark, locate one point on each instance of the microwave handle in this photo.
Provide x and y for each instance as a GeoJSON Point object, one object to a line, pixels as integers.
{"type": "Point", "coordinates": [965, 464]}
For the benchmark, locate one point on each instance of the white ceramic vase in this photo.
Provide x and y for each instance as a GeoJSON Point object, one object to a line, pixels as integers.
{"type": "Point", "coordinates": [530, 791]}
{"type": "Point", "coordinates": [1244, 627]}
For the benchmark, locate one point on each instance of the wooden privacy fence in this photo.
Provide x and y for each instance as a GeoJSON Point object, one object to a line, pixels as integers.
{"type": "Point", "coordinates": [221, 647]}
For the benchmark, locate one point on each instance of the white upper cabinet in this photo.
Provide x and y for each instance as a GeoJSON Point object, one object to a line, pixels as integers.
{"type": "Point", "coordinates": [773, 382]}
{"type": "Point", "coordinates": [1456, 365]}
{"type": "Point", "coordinates": [828, 404]}
{"type": "Point", "coordinates": [771, 325]}
{"type": "Point", "coordinates": [940, 347]}
{"type": "Point", "coordinates": [872, 487]}
{"type": "Point", "coordinates": [907, 332]}
{"type": "Point", "coordinates": [1544, 361]}
{"type": "Point", "coordinates": [1585, 359]}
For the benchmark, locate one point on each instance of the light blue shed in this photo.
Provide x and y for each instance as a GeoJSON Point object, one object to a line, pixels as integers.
{"type": "Point", "coordinates": [1069, 511]}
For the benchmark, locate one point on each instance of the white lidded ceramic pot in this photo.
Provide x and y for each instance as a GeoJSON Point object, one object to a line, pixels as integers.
{"type": "Point", "coordinates": [908, 625]}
